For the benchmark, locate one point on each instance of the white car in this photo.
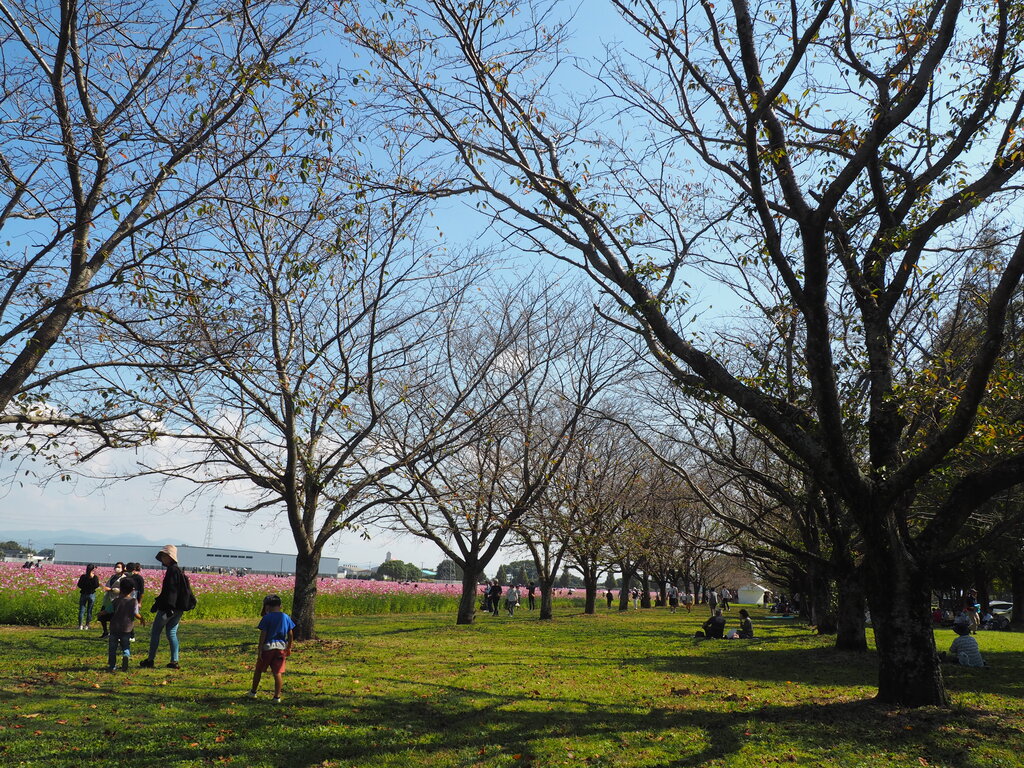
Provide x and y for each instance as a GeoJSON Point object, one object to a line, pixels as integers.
{"type": "Point", "coordinates": [1000, 607]}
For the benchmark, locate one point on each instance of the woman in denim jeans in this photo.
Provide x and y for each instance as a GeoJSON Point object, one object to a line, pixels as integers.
{"type": "Point", "coordinates": [88, 583]}
{"type": "Point", "coordinates": [168, 614]}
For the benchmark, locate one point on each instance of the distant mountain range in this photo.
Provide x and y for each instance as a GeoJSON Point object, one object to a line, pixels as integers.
{"type": "Point", "coordinates": [46, 539]}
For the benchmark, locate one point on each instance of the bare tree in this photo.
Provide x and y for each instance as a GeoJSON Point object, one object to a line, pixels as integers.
{"type": "Point", "coordinates": [598, 474]}
{"type": "Point", "coordinates": [545, 531]}
{"type": "Point", "coordinates": [832, 153]}
{"type": "Point", "coordinates": [118, 117]}
{"type": "Point", "coordinates": [472, 498]}
{"type": "Point", "coordinates": [314, 350]}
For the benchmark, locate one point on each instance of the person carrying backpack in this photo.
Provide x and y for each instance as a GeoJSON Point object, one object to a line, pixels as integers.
{"type": "Point", "coordinates": [174, 599]}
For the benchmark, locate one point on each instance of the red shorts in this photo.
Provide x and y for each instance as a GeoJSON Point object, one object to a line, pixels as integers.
{"type": "Point", "coordinates": [274, 659]}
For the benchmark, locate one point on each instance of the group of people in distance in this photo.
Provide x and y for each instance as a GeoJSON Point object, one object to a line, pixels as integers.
{"type": "Point", "coordinates": [122, 607]}
{"type": "Point", "coordinates": [492, 597]}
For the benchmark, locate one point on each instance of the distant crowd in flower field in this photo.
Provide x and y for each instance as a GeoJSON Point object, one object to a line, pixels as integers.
{"type": "Point", "coordinates": [48, 596]}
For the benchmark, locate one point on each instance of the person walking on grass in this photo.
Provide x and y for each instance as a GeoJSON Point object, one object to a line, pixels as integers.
{"type": "Point", "coordinates": [713, 601]}
{"type": "Point", "coordinates": [688, 601]}
{"type": "Point", "coordinates": [88, 583]}
{"type": "Point", "coordinates": [122, 624]}
{"type": "Point", "coordinates": [512, 599]}
{"type": "Point", "coordinates": [531, 600]}
{"type": "Point", "coordinates": [495, 593]}
{"type": "Point", "coordinates": [673, 598]}
{"type": "Point", "coordinates": [277, 633]}
{"type": "Point", "coordinates": [168, 607]}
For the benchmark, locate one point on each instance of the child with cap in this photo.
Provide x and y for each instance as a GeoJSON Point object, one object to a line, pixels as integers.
{"type": "Point", "coordinates": [124, 612]}
{"type": "Point", "coordinates": [276, 636]}
{"type": "Point", "coordinates": [964, 649]}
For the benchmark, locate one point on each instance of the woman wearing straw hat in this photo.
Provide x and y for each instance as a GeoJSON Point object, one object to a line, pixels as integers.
{"type": "Point", "coordinates": [166, 607]}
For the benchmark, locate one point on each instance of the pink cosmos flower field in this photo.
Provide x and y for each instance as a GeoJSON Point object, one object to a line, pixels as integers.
{"type": "Point", "coordinates": [48, 596]}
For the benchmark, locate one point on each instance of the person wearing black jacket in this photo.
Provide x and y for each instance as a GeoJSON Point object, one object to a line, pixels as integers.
{"type": "Point", "coordinates": [715, 626]}
{"type": "Point", "coordinates": [137, 581]}
{"type": "Point", "coordinates": [139, 584]}
{"type": "Point", "coordinates": [168, 607]}
{"type": "Point", "coordinates": [88, 583]}
{"type": "Point", "coordinates": [495, 594]}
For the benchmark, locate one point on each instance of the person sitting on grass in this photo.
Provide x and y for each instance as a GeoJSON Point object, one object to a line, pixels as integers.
{"type": "Point", "coordinates": [276, 637]}
{"type": "Point", "coordinates": [715, 626]}
{"type": "Point", "coordinates": [964, 649]}
{"type": "Point", "coordinates": [746, 626]}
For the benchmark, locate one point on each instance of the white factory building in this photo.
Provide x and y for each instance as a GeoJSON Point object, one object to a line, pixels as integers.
{"type": "Point", "coordinates": [189, 558]}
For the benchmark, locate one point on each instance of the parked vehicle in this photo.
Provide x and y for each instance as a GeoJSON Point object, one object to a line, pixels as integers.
{"type": "Point", "coordinates": [1000, 607]}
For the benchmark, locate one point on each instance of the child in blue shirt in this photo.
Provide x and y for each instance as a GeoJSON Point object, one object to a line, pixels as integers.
{"type": "Point", "coordinates": [276, 636]}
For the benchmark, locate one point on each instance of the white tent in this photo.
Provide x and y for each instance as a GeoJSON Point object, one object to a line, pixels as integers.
{"type": "Point", "coordinates": [752, 594]}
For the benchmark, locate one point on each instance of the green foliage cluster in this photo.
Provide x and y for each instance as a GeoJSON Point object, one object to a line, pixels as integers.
{"type": "Point", "coordinates": [13, 546]}
{"type": "Point", "coordinates": [397, 570]}
{"type": "Point", "coordinates": [447, 570]}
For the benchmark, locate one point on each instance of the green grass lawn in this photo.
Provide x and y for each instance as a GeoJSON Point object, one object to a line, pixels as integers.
{"type": "Point", "coordinates": [615, 689]}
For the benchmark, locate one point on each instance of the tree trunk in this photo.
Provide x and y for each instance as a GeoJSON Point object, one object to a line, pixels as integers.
{"type": "Point", "coordinates": [850, 634]}
{"type": "Point", "coordinates": [663, 593]}
{"type": "Point", "coordinates": [900, 598]}
{"type": "Point", "coordinates": [307, 570]}
{"type": "Point", "coordinates": [547, 590]}
{"type": "Point", "coordinates": [1017, 595]}
{"type": "Point", "coordinates": [819, 596]}
{"type": "Point", "coordinates": [467, 603]}
{"type": "Point", "coordinates": [627, 580]}
{"type": "Point", "coordinates": [590, 585]}
{"type": "Point", "coordinates": [645, 595]}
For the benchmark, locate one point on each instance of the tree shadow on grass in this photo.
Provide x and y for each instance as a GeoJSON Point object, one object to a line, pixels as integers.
{"type": "Point", "coordinates": [461, 724]}
{"type": "Point", "coordinates": [741, 659]}
{"type": "Point", "coordinates": [433, 723]}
